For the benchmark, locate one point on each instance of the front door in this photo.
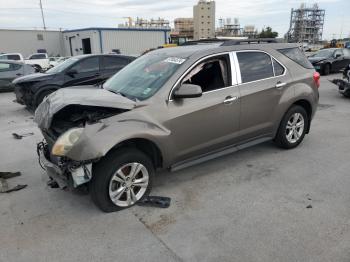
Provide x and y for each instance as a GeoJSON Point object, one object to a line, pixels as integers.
{"type": "Point", "coordinates": [86, 72]}
{"type": "Point", "coordinates": [204, 124]}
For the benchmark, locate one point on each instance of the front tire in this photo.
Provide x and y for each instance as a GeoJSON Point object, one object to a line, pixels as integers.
{"type": "Point", "coordinates": [121, 179]}
{"type": "Point", "coordinates": [292, 128]}
{"type": "Point", "coordinates": [42, 96]}
{"type": "Point", "coordinates": [326, 69]}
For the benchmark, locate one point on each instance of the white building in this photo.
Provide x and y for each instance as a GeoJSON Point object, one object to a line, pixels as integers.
{"type": "Point", "coordinates": [130, 41]}
{"type": "Point", "coordinates": [204, 19]}
{"type": "Point", "coordinates": [28, 42]}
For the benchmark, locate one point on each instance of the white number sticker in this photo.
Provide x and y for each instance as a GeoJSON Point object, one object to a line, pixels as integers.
{"type": "Point", "coordinates": [175, 60]}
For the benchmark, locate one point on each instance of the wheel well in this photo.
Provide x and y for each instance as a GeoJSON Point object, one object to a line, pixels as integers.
{"type": "Point", "coordinates": [147, 147]}
{"type": "Point", "coordinates": [52, 89]}
{"type": "Point", "coordinates": [307, 106]}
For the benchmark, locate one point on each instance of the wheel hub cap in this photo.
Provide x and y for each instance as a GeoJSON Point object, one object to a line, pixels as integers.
{"type": "Point", "coordinates": [128, 184]}
{"type": "Point", "coordinates": [295, 128]}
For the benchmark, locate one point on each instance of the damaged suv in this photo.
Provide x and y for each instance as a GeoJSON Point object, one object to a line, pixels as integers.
{"type": "Point", "coordinates": [173, 108]}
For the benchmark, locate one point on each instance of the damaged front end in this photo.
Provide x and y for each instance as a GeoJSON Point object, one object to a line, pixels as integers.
{"type": "Point", "coordinates": [63, 121]}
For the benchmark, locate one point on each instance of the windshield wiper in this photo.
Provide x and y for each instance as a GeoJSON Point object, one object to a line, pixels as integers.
{"type": "Point", "coordinates": [123, 95]}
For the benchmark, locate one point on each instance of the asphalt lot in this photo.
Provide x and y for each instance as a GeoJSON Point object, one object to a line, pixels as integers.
{"type": "Point", "coordinates": [248, 206]}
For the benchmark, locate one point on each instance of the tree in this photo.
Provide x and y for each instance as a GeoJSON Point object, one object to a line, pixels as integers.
{"type": "Point", "coordinates": [268, 33]}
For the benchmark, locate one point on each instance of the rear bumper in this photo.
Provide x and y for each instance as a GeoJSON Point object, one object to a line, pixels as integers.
{"type": "Point", "coordinates": [64, 173]}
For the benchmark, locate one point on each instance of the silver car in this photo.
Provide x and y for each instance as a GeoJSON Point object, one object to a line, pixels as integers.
{"type": "Point", "coordinates": [10, 70]}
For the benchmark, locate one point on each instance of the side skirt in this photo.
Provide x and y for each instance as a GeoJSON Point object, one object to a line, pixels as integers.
{"type": "Point", "coordinates": [217, 153]}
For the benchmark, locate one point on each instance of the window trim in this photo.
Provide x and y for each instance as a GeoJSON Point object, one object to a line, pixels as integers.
{"type": "Point", "coordinates": [233, 73]}
{"type": "Point", "coordinates": [260, 51]}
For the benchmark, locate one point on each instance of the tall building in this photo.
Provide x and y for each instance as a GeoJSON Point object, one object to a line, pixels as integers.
{"type": "Point", "coordinates": [306, 24]}
{"type": "Point", "coordinates": [204, 19]}
{"type": "Point", "coordinates": [184, 27]}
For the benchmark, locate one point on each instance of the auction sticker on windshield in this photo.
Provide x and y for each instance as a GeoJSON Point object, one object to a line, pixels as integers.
{"type": "Point", "coordinates": [175, 60]}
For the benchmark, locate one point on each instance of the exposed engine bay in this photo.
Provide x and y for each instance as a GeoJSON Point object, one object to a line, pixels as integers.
{"type": "Point", "coordinates": [79, 115]}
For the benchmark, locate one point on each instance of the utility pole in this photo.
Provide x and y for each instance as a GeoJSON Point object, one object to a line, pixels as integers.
{"type": "Point", "coordinates": [42, 14]}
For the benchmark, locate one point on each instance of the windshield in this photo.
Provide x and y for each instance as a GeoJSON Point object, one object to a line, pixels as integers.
{"type": "Point", "coordinates": [144, 77]}
{"type": "Point", "coordinates": [324, 53]}
{"type": "Point", "coordinates": [62, 66]}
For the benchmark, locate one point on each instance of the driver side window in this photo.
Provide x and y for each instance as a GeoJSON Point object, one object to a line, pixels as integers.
{"type": "Point", "coordinates": [87, 65]}
{"type": "Point", "coordinates": [211, 74]}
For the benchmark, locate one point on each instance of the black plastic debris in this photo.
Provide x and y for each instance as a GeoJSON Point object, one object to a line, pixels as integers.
{"type": "Point", "coordinates": [4, 187]}
{"type": "Point", "coordinates": [17, 136]}
{"type": "Point", "coordinates": [16, 188]}
{"type": "Point", "coordinates": [7, 175]}
{"type": "Point", "coordinates": [155, 201]}
{"type": "Point", "coordinates": [53, 184]}
{"type": "Point", "coordinates": [309, 206]}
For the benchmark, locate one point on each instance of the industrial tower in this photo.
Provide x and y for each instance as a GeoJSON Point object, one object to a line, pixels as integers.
{"type": "Point", "coordinates": [306, 24]}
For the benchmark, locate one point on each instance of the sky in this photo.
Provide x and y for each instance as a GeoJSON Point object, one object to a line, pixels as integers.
{"type": "Point", "coordinates": [73, 14]}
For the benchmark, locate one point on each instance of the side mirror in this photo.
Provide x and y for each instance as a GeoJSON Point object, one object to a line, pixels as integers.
{"type": "Point", "coordinates": [337, 55]}
{"type": "Point", "coordinates": [72, 72]}
{"type": "Point", "coordinates": [188, 91]}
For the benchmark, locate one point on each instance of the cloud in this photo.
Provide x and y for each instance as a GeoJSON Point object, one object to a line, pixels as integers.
{"type": "Point", "coordinates": [85, 13]}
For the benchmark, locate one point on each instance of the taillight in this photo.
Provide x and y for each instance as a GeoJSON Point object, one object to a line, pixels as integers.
{"type": "Point", "coordinates": [317, 78]}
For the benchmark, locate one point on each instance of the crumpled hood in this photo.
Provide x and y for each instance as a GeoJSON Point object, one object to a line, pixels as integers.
{"type": "Point", "coordinates": [80, 95]}
{"type": "Point", "coordinates": [33, 77]}
{"type": "Point", "coordinates": [316, 59]}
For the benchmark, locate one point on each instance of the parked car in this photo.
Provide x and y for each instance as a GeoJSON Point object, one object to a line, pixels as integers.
{"type": "Point", "coordinates": [12, 56]}
{"type": "Point", "coordinates": [9, 70]}
{"type": "Point", "coordinates": [172, 108]}
{"type": "Point", "coordinates": [40, 61]}
{"type": "Point", "coordinates": [56, 60]}
{"type": "Point", "coordinates": [79, 70]}
{"type": "Point", "coordinates": [330, 60]}
{"type": "Point", "coordinates": [344, 84]}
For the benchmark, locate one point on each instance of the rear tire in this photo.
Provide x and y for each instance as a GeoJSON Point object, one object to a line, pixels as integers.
{"type": "Point", "coordinates": [115, 186]}
{"type": "Point", "coordinates": [292, 128]}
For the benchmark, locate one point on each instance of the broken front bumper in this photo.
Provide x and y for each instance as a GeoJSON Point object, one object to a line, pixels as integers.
{"type": "Point", "coordinates": [66, 173]}
{"type": "Point", "coordinates": [344, 87]}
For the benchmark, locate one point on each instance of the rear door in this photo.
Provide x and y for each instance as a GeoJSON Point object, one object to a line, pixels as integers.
{"type": "Point", "coordinates": [262, 80]}
{"type": "Point", "coordinates": [87, 72]}
{"type": "Point", "coordinates": [8, 72]}
{"type": "Point", "coordinates": [340, 61]}
{"type": "Point", "coordinates": [111, 65]}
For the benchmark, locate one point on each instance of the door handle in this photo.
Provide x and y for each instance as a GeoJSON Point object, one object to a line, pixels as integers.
{"type": "Point", "coordinates": [19, 74]}
{"type": "Point", "coordinates": [230, 99]}
{"type": "Point", "coordinates": [279, 85]}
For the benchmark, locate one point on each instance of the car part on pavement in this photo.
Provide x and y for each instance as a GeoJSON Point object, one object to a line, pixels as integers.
{"type": "Point", "coordinates": [7, 175]}
{"type": "Point", "coordinates": [344, 84]}
{"type": "Point", "coordinates": [173, 108]}
{"type": "Point", "coordinates": [155, 201]}
{"type": "Point", "coordinates": [17, 136]}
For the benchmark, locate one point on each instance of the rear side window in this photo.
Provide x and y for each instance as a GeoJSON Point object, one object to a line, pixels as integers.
{"type": "Point", "coordinates": [38, 56]}
{"type": "Point", "coordinates": [87, 65]}
{"type": "Point", "coordinates": [110, 62]}
{"type": "Point", "coordinates": [5, 67]}
{"type": "Point", "coordinates": [279, 69]}
{"type": "Point", "coordinates": [297, 56]}
{"type": "Point", "coordinates": [254, 66]}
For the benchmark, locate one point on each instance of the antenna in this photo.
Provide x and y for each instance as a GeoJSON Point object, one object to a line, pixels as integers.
{"type": "Point", "coordinates": [42, 14]}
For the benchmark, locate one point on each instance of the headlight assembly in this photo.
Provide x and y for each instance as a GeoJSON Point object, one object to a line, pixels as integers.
{"type": "Point", "coordinates": [66, 141]}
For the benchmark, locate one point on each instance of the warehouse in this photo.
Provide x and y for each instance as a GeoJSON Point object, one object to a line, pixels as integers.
{"type": "Point", "coordinates": [131, 41]}
{"type": "Point", "coordinates": [28, 42]}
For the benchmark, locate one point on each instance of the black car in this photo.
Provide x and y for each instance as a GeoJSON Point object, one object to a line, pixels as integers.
{"type": "Point", "coordinates": [79, 70]}
{"type": "Point", "coordinates": [330, 60]}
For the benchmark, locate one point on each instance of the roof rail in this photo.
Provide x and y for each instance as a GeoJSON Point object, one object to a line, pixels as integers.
{"type": "Point", "coordinates": [249, 41]}
{"type": "Point", "coordinates": [204, 41]}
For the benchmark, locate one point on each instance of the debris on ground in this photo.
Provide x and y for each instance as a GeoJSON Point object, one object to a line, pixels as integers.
{"type": "Point", "coordinates": [7, 175]}
{"type": "Point", "coordinates": [155, 201]}
{"type": "Point", "coordinates": [53, 184]}
{"type": "Point", "coordinates": [17, 136]}
{"type": "Point", "coordinates": [16, 188]}
{"type": "Point", "coordinates": [309, 206]}
{"type": "Point", "coordinates": [4, 187]}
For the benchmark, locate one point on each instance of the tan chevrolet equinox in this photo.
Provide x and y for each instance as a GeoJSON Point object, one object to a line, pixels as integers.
{"type": "Point", "coordinates": [173, 108]}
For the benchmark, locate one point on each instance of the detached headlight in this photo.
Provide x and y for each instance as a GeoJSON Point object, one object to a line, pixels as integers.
{"type": "Point", "coordinates": [66, 141]}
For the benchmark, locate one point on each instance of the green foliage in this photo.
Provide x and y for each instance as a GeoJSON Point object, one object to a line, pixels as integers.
{"type": "Point", "coordinates": [268, 33]}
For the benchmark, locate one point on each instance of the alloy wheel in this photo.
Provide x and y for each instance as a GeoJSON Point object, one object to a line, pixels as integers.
{"type": "Point", "coordinates": [295, 128]}
{"type": "Point", "coordinates": [128, 184]}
